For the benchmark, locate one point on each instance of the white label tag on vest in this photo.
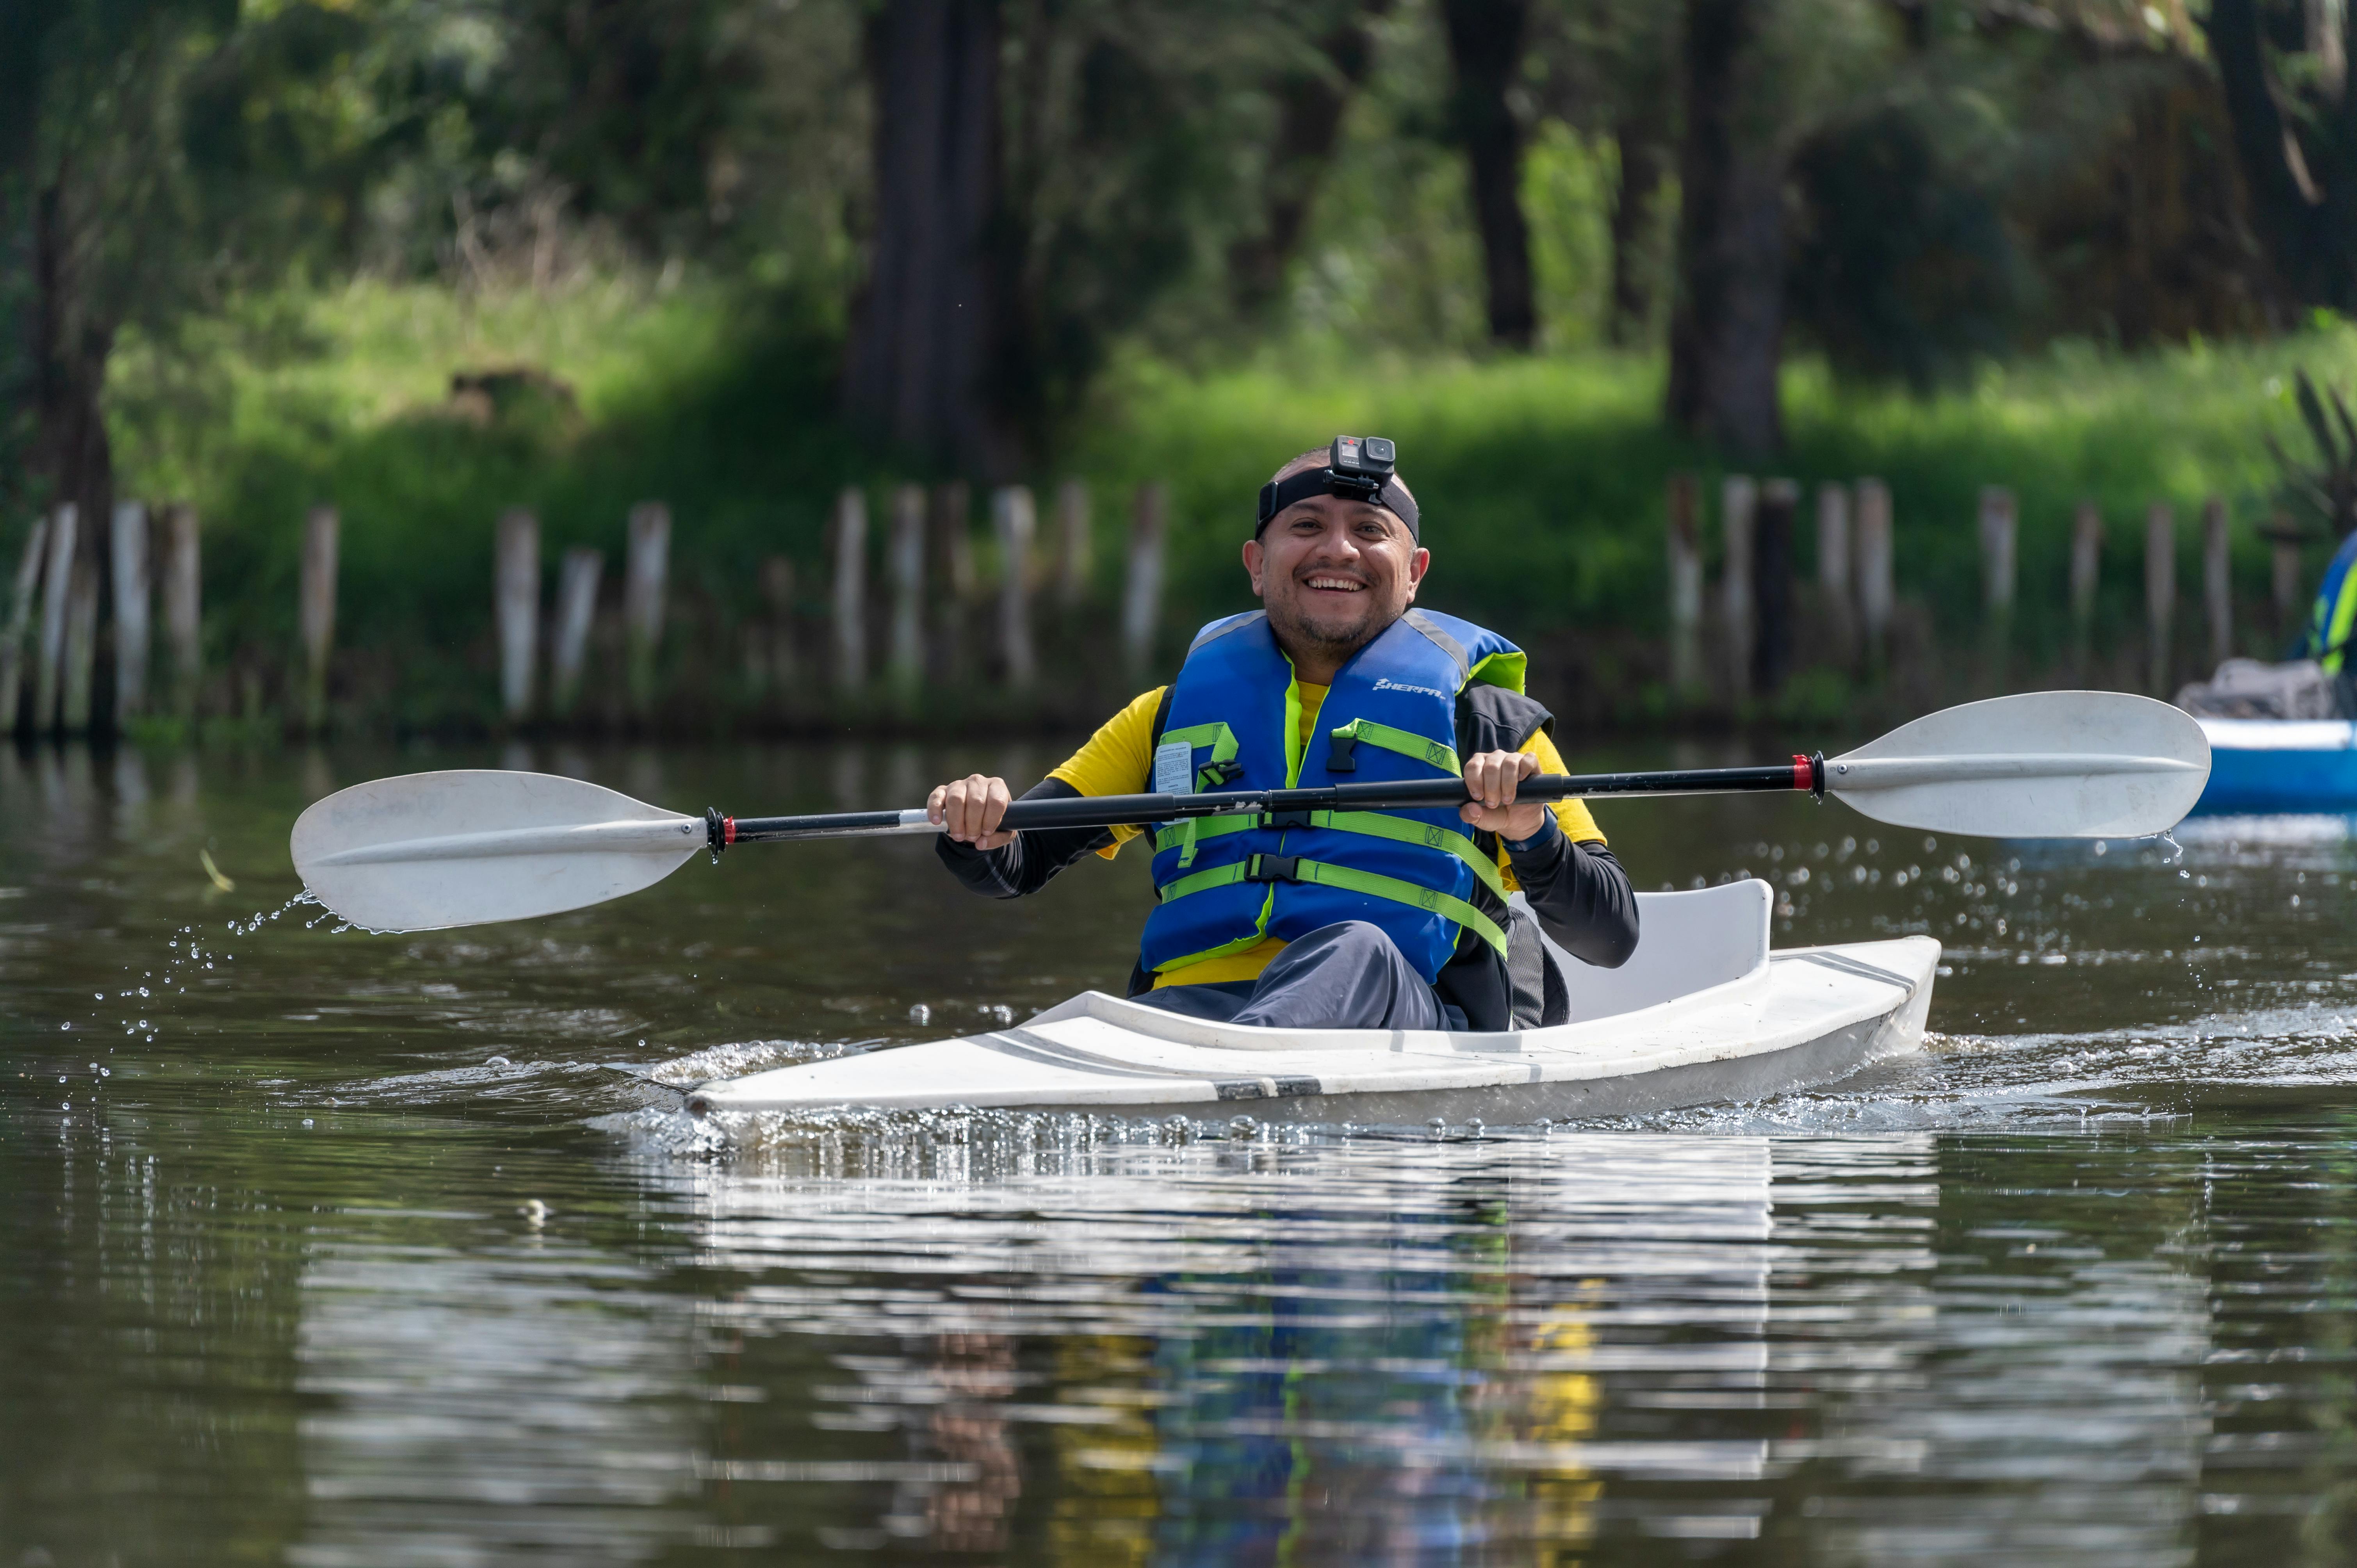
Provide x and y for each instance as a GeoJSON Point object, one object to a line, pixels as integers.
{"type": "Point", "coordinates": [1174, 769]}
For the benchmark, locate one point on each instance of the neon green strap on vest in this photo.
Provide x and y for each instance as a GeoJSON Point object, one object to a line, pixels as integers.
{"type": "Point", "coordinates": [1289, 869]}
{"type": "Point", "coordinates": [1405, 742]}
{"type": "Point", "coordinates": [1374, 824]}
{"type": "Point", "coordinates": [1210, 776]}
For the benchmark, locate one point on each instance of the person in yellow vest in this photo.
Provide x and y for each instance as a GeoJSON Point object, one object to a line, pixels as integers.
{"type": "Point", "coordinates": [1336, 919]}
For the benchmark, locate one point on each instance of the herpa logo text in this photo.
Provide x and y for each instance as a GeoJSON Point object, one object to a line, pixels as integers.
{"type": "Point", "coordinates": [1387, 685]}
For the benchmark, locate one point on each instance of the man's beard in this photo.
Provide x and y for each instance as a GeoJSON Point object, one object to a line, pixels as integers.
{"type": "Point", "coordinates": [1292, 627]}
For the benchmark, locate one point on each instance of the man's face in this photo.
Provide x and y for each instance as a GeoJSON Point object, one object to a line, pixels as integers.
{"type": "Point", "coordinates": [1334, 572]}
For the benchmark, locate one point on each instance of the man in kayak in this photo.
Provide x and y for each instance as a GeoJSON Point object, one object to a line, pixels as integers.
{"type": "Point", "coordinates": [1393, 920]}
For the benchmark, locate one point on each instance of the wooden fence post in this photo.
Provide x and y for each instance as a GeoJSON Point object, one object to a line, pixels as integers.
{"type": "Point", "coordinates": [1015, 524]}
{"type": "Point", "coordinates": [516, 600]}
{"type": "Point", "coordinates": [2159, 593]}
{"type": "Point", "coordinates": [20, 621]}
{"type": "Point", "coordinates": [1999, 523]}
{"type": "Point", "coordinates": [954, 554]}
{"type": "Point", "coordinates": [2217, 580]}
{"type": "Point", "coordinates": [908, 560]}
{"type": "Point", "coordinates": [850, 590]}
{"type": "Point", "coordinates": [1834, 590]}
{"type": "Point", "coordinates": [577, 613]}
{"type": "Point", "coordinates": [1685, 542]}
{"type": "Point", "coordinates": [57, 584]}
{"type": "Point", "coordinates": [2086, 568]}
{"type": "Point", "coordinates": [1771, 584]}
{"type": "Point", "coordinates": [1141, 603]}
{"type": "Point", "coordinates": [1738, 500]}
{"type": "Point", "coordinates": [1876, 580]}
{"type": "Point", "coordinates": [2291, 609]}
{"type": "Point", "coordinates": [318, 609]}
{"type": "Point", "coordinates": [81, 650]}
{"type": "Point", "coordinates": [183, 607]}
{"type": "Point", "coordinates": [778, 592]}
{"type": "Point", "coordinates": [646, 583]}
{"type": "Point", "coordinates": [1075, 545]}
{"type": "Point", "coordinates": [132, 600]}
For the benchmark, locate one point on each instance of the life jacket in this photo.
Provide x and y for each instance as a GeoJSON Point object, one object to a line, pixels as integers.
{"type": "Point", "coordinates": [1233, 723]}
{"type": "Point", "coordinates": [2333, 622]}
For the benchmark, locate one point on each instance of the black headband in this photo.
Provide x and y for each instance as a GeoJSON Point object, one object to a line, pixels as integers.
{"type": "Point", "coordinates": [1389, 494]}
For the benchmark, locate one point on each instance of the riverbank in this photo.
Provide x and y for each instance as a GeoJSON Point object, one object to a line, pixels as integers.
{"type": "Point", "coordinates": [1542, 481]}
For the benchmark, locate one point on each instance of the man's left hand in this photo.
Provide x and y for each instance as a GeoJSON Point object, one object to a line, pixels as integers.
{"type": "Point", "coordinates": [1490, 781]}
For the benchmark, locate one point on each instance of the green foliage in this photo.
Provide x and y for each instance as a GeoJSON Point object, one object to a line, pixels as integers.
{"type": "Point", "coordinates": [2322, 494]}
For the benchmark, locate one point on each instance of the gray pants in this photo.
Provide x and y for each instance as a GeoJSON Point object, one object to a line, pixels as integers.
{"type": "Point", "coordinates": [1343, 976]}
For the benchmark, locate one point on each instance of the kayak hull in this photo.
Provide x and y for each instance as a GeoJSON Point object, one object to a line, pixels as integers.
{"type": "Point", "coordinates": [1786, 1020]}
{"type": "Point", "coordinates": [2280, 765]}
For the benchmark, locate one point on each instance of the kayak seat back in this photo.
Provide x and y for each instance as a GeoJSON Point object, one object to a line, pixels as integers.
{"type": "Point", "coordinates": [1686, 943]}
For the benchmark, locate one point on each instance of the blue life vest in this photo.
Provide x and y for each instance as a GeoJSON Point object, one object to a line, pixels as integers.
{"type": "Point", "coordinates": [1233, 723]}
{"type": "Point", "coordinates": [2334, 620]}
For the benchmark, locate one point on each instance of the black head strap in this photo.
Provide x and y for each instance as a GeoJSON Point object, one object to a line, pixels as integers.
{"type": "Point", "coordinates": [1387, 494]}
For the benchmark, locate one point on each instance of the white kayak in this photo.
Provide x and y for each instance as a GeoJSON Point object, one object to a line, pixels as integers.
{"type": "Point", "coordinates": [1702, 1012]}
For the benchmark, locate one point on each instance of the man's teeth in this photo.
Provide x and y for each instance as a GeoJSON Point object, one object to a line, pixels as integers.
{"type": "Point", "coordinates": [1338, 582]}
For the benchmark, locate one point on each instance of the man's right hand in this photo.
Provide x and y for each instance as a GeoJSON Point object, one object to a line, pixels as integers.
{"type": "Point", "coordinates": [969, 810]}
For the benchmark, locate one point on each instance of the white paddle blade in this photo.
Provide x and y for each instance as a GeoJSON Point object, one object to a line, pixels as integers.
{"type": "Point", "coordinates": [2039, 765]}
{"type": "Point", "coordinates": [462, 848]}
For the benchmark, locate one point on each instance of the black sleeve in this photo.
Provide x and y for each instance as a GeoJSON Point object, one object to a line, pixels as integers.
{"type": "Point", "coordinates": [1031, 861]}
{"type": "Point", "coordinates": [1580, 894]}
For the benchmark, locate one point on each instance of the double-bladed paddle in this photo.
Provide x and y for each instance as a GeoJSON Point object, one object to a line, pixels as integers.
{"type": "Point", "coordinates": [426, 851]}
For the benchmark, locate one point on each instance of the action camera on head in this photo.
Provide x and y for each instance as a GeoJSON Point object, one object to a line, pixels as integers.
{"type": "Point", "coordinates": [1359, 469]}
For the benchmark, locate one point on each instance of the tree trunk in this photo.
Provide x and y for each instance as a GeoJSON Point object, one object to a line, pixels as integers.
{"type": "Point", "coordinates": [928, 359]}
{"type": "Point", "coordinates": [1311, 103]}
{"type": "Point", "coordinates": [72, 454]}
{"type": "Point", "coordinates": [2302, 201]}
{"type": "Point", "coordinates": [1485, 46]}
{"type": "Point", "coordinates": [1726, 332]}
{"type": "Point", "coordinates": [1643, 161]}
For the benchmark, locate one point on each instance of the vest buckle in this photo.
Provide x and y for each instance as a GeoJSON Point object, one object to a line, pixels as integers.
{"type": "Point", "coordinates": [1287, 819]}
{"type": "Point", "coordinates": [1272, 868]}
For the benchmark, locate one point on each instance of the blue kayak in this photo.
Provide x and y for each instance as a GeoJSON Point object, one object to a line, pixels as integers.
{"type": "Point", "coordinates": [2280, 765]}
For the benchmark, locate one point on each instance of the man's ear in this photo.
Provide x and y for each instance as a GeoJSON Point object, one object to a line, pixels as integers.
{"type": "Point", "coordinates": [1416, 566]}
{"type": "Point", "coordinates": [1256, 558]}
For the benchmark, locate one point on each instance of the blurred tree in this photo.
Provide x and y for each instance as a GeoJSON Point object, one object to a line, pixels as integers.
{"type": "Point", "coordinates": [1485, 46]}
{"type": "Point", "coordinates": [2283, 70]}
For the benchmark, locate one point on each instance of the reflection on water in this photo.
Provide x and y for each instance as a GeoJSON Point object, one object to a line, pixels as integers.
{"type": "Point", "coordinates": [346, 1249]}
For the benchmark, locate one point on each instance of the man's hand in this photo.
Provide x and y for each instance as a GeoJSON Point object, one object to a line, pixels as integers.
{"type": "Point", "coordinates": [1490, 780]}
{"type": "Point", "coordinates": [969, 809]}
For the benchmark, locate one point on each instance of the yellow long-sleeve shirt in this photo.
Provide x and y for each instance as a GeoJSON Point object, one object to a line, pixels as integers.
{"type": "Point", "coordinates": [1121, 753]}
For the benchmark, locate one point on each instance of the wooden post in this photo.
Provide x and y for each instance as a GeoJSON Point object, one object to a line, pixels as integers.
{"type": "Point", "coordinates": [183, 607]}
{"type": "Point", "coordinates": [81, 650]}
{"type": "Point", "coordinates": [57, 582]}
{"type": "Point", "coordinates": [1014, 521]}
{"type": "Point", "coordinates": [318, 610]}
{"type": "Point", "coordinates": [1684, 540]}
{"type": "Point", "coordinates": [516, 602]}
{"type": "Point", "coordinates": [1877, 577]}
{"type": "Point", "coordinates": [908, 561]}
{"type": "Point", "coordinates": [1833, 594]}
{"type": "Point", "coordinates": [2159, 593]}
{"type": "Point", "coordinates": [2086, 566]}
{"type": "Point", "coordinates": [1075, 548]}
{"type": "Point", "coordinates": [1738, 499]}
{"type": "Point", "coordinates": [646, 581]}
{"type": "Point", "coordinates": [1771, 584]}
{"type": "Point", "coordinates": [1141, 602]}
{"type": "Point", "coordinates": [132, 604]}
{"type": "Point", "coordinates": [778, 592]}
{"type": "Point", "coordinates": [20, 623]}
{"type": "Point", "coordinates": [2217, 580]}
{"type": "Point", "coordinates": [2291, 609]}
{"type": "Point", "coordinates": [954, 556]}
{"type": "Point", "coordinates": [850, 590]}
{"type": "Point", "coordinates": [1999, 532]}
{"type": "Point", "coordinates": [577, 613]}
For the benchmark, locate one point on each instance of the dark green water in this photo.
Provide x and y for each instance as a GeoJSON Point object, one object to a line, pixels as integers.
{"type": "Point", "coordinates": [329, 1249]}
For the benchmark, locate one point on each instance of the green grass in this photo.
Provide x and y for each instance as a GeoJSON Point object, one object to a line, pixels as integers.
{"type": "Point", "coordinates": [1541, 479]}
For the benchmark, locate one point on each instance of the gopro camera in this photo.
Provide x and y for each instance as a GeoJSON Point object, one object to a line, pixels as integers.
{"type": "Point", "coordinates": [1360, 464]}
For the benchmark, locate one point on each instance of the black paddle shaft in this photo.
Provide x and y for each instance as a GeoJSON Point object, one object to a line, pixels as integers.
{"type": "Point", "coordinates": [1803, 773]}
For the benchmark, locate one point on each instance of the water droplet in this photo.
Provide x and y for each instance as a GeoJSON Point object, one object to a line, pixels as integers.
{"type": "Point", "coordinates": [499, 1061]}
{"type": "Point", "coordinates": [307, 1120]}
{"type": "Point", "coordinates": [919, 1015]}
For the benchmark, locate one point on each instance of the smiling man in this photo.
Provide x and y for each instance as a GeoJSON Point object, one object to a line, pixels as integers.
{"type": "Point", "coordinates": [1333, 919]}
